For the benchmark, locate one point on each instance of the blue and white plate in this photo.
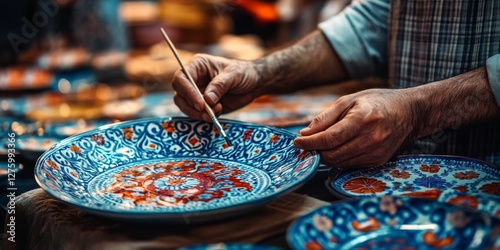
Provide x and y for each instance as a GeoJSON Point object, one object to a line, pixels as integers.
{"type": "Point", "coordinates": [390, 222]}
{"type": "Point", "coordinates": [174, 169]}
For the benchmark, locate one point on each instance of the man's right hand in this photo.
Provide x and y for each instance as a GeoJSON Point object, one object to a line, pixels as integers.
{"type": "Point", "coordinates": [226, 85]}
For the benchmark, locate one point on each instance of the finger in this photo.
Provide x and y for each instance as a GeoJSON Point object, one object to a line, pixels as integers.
{"type": "Point", "coordinates": [187, 91]}
{"type": "Point", "coordinates": [187, 108]}
{"type": "Point", "coordinates": [328, 117]}
{"type": "Point", "coordinates": [333, 137]}
{"type": "Point", "coordinates": [218, 87]}
{"type": "Point", "coordinates": [354, 154]}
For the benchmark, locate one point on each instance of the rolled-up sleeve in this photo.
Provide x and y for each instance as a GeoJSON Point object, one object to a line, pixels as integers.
{"type": "Point", "coordinates": [493, 69]}
{"type": "Point", "coordinates": [359, 36]}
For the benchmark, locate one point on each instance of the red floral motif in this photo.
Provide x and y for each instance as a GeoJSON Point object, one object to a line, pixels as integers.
{"type": "Point", "coordinates": [400, 174]}
{"type": "Point", "coordinates": [52, 164]}
{"type": "Point", "coordinates": [98, 139]}
{"type": "Point", "coordinates": [313, 245]}
{"type": "Point", "coordinates": [142, 184]}
{"type": "Point", "coordinates": [152, 145]}
{"type": "Point", "coordinates": [168, 127]}
{"type": "Point", "coordinates": [491, 188]}
{"type": "Point", "coordinates": [464, 200]}
{"type": "Point", "coordinates": [364, 185]}
{"type": "Point", "coordinates": [467, 175]}
{"type": "Point", "coordinates": [75, 149]}
{"type": "Point", "coordinates": [431, 239]}
{"type": "Point", "coordinates": [128, 133]}
{"type": "Point", "coordinates": [462, 189]}
{"type": "Point", "coordinates": [366, 226]}
{"type": "Point", "coordinates": [275, 138]}
{"type": "Point", "coordinates": [247, 135]}
{"type": "Point", "coordinates": [432, 168]}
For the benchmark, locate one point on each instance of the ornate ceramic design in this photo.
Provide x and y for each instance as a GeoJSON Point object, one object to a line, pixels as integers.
{"type": "Point", "coordinates": [174, 168]}
{"type": "Point", "coordinates": [425, 176]}
{"type": "Point", "coordinates": [389, 222]}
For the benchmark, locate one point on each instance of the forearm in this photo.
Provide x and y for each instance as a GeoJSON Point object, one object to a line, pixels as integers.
{"type": "Point", "coordinates": [448, 104]}
{"type": "Point", "coordinates": [308, 63]}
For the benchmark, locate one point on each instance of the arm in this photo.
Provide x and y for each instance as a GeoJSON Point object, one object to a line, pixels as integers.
{"type": "Point", "coordinates": [461, 100]}
{"type": "Point", "coordinates": [367, 128]}
{"type": "Point", "coordinates": [310, 61]}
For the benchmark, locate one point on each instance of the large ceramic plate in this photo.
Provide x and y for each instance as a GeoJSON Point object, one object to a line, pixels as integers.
{"type": "Point", "coordinates": [457, 180]}
{"type": "Point", "coordinates": [389, 222]}
{"type": "Point", "coordinates": [175, 169]}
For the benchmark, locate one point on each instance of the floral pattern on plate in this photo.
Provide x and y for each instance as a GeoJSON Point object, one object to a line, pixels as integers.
{"type": "Point", "coordinates": [174, 168]}
{"type": "Point", "coordinates": [425, 176]}
{"type": "Point", "coordinates": [388, 222]}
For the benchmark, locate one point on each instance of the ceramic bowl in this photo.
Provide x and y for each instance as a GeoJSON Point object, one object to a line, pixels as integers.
{"type": "Point", "coordinates": [389, 222]}
{"type": "Point", "coordinates": [174, 169]}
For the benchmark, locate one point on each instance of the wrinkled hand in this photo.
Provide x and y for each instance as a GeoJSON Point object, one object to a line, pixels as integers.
{"type": "Point", "coordinates": [226, 85]}
{"type": "Point", "coordinates": [361, 130]}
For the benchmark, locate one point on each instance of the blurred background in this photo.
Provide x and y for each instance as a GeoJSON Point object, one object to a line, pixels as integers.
{"type": "Point", "coordinates": [67, 66]}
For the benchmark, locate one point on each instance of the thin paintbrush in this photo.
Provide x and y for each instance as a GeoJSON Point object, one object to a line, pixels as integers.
{"type": "Point", "coordinates": [207, 107]}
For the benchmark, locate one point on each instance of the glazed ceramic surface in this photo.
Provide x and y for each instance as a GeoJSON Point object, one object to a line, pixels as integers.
{"type": "Point", "coordinates": [456, 180]}
{"type": "Point", "coordinates": [486, 203]}
{"type": "Point", "coordinates": [389, 222]}
{"type": "Point", "coordinates": [421, 176]}
{"type": "Point", "coordinates": [174, 169]}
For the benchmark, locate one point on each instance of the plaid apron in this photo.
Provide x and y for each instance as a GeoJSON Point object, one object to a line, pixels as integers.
{"type": "Point", "coordinates": [435, 40]}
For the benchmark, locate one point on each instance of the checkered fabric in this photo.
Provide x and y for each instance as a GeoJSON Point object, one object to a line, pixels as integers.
{"type": "Point", "coordinates": [435, 40]}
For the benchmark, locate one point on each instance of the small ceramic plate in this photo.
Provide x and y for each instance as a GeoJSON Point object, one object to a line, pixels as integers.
{"type": "Point", "coordinates": [456, 180]}
{"type": "Point", "coordinates": [174, 169]}
{"type": "Point", "coordinates": [230, 246]}
{"type": "Point", "coordinates": [9, 170]}
{"type": "Point", "coordinates": [419, 176]}
{"type": "Point", "coordinates": [389, 222]}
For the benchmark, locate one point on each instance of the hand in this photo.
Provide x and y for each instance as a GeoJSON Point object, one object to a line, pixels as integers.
{"type": "Point", "coordinates": [361, 130]}
{"type": "Point", "coordinates": [226, 85]}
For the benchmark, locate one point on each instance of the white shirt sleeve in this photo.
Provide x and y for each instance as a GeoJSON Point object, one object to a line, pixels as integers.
{"type": "Point", "coordinates": [359, 36]}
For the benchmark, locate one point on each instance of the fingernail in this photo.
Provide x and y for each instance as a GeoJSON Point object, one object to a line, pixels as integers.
{"type": "Point", "coordinates": [212, 97]}
{"type": "Point", "coordinates": [296, 144]}
{"type": "Point", "coordinates": [304, 130]}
